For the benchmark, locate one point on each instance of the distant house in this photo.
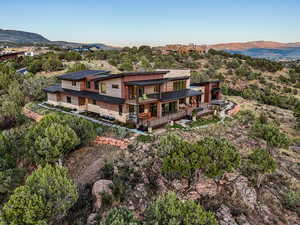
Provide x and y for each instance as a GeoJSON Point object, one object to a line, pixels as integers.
{"type": "Point", "coordinates": [146, 99]}
{"type": "Point", "coordinates": [12, 55]}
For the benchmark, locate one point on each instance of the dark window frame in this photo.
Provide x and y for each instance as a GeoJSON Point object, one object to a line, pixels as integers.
{"type": "Point", "coordinates": [69, 99]}
{"type": "Point", "coordinates": [74, 83]}
{"type": "Point", "coordinates": [96, 84]}
{"type": "Point", "coordinates": [120, 110]}
{"type": "Point", "coordinates": [88, 84]}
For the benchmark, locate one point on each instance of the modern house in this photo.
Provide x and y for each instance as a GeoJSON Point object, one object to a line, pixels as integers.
{"type": "Point", "coordinates": [146, 99]}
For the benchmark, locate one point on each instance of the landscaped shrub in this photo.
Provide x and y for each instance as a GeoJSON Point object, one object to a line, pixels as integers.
{"type": "Point", "coordinates": [170, 210]}
{"type": "Point", "coordinates": [47, 195]}
{"type": "Point", "coordinates": [202, 122]}
{"type": "Point", "coordinates": [145, 138]}
{"type": "Point", "coordinates": [212, 156]}
{"type": "Point", "coordinates": [120, 216]}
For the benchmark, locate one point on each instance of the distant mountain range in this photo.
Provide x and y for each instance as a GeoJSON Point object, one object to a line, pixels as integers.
{"type": "Point", "coordinates": [260, 49]}
{"type": "Point", "coordinates": [23, 37]}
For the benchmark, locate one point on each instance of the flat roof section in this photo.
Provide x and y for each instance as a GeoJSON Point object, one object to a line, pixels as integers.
{"type": "Point", "coordinates": [82, 74]}
{"type": "Point", "coordinates": [85, 94]}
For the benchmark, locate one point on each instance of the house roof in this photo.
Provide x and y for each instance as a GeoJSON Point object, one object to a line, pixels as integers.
{"type": "Point", "coordinates": [205, 82]}
{"type": "Point", "coordinates": [155, 81]}
{"type": "Point", "coordinates": [82, 74]}
{"type": "Point", "coordinates": [173, 95]}
{"type": "Point", "coordinates": [85, 94]}
{"type": "Point", "coordinates": [118, 75]}
{"type": "Point", "coordinates": [146, 82]}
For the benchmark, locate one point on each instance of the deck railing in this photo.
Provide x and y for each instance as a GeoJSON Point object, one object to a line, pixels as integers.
{"type": "Point", "coordinates": [165, 119]}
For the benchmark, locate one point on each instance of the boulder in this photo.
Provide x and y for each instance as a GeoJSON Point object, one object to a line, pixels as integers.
{"type": "Point", "coordinates": [206, 186]}
{"type": "Point", "coordinates": [224, 216]}
{"type": "Point", "coordinates": [91, 219]}
{"type": "Point", "coordinates": [180, 185]}
{"type": "Point", "coordinates": [245, 191]}
{"type": "Point", "coordinates": [98, 188]}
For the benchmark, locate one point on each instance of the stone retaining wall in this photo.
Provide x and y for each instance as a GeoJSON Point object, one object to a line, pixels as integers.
{"type": "Point", "coordinates": [234, 110]}
{"type": "Point", "coordinates": [111, 141]}
{"type": "Point", "coordinates": [32, 115]}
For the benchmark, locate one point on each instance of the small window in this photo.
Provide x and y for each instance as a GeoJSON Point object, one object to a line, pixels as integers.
{"type": "Point", "coordinates": [96, 85]}
{"type": "Point", "coordinates": [141, 108]}
{"type": "Point", "coordinates": [69, 100]}
{"type": "Point", "coordinates": [156, 88]}
{"type": "Point", "coordinates": [115, 86]}
{"type": "Point", "coordinates": [94, 102]}
{"type": "Point", "coordinates": [120, 110]}
{"type": "Point", "coordinates": [103, 88]}
{"type": "Point", "coordinates": [73, 83]}
{"type": "Point", "coordinates": [88, 84]}
{"type": "Point", "coordinates": [182, 101]}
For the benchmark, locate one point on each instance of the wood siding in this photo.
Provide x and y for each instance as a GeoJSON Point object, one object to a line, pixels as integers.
{"type": "Point", "coordinates": [67, 84]}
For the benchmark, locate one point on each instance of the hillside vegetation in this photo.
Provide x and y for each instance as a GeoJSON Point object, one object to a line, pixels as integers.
{"type": "Point", "coordinates": [245, 170]}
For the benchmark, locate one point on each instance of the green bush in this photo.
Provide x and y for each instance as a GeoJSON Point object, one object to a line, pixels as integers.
{"type": "Point", "coordinates": [83, 128]}
{"type": "Point", "coordinates": [145, 138]}
{"type": "Point", "coordinates": [77, 67]}
{"type": "Point", "coordinates": [260, 161]}
{"type": "Point", "coordinates": [291, 200]}
{"type": "Point", "coordinates": [271, 134]}
{"type": "Point", "coordinates": [212, 156]}
{"type": "Point", "coordinates": [169, 210]}
{"type": "Point", "coordinates": [47, 195]}
{"type": "Point", "coordinates": [120, 216]}
{"type": "Point", "coordinates": [49, 139]}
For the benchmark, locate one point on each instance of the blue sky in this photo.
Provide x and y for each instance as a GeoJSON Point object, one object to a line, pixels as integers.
{"type": "Point", "coordinates": [155, 22]}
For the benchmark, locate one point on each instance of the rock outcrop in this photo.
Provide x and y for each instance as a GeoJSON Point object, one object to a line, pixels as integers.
{"type": "Point", "coordinates": [100, 187]}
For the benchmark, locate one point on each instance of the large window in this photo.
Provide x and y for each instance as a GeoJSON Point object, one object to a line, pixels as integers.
{"type": "Point", "coordinates": [141, 108]}
{"type": "Point", "coordinates": [88, 84]}
{"type": "Point", "coordinates": [120, 110]}
{"type": "Point", "coordinates": [69, 100]}
{"type": "Point", "coordinates": [96, 84]}
{"type": "Point", "coordinates": [115, 86]}
{"type": "Point", "coordinates": [179, 85]}
{"type": "Point", "coordinates": [156, 88]}
{"type": "Point", "coordinates": [103, 88]}
{"type": "Point", "coordinates": [169, 108]}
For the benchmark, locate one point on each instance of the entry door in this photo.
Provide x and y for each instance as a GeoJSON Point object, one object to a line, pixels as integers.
{"type": "Point", "coordinates": [81, 101]}
{"type": "Point", "coordinates": [153, 109]}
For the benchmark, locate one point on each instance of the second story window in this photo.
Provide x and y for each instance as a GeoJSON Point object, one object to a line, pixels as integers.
{"type": "Point", "coordinates": [179, 85]}
{"type": "Point", "coordinates": [103, 88]}
{"type": "Point", "coordinates": [156, 88]}
{"type": "Point", "coordinates": [88, 84]}
{"type": "Point", "coordinates": [73, 83]}
{"type": "Point", "coordinates": [96, 84]}
{"type": "Point", "coordinates": [115, 86]}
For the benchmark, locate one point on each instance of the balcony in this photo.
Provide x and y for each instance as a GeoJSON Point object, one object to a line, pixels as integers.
{"type": "Point", "coordinates": [141, 100]}
{"type": "Point", "coordinates": [154, 121]}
